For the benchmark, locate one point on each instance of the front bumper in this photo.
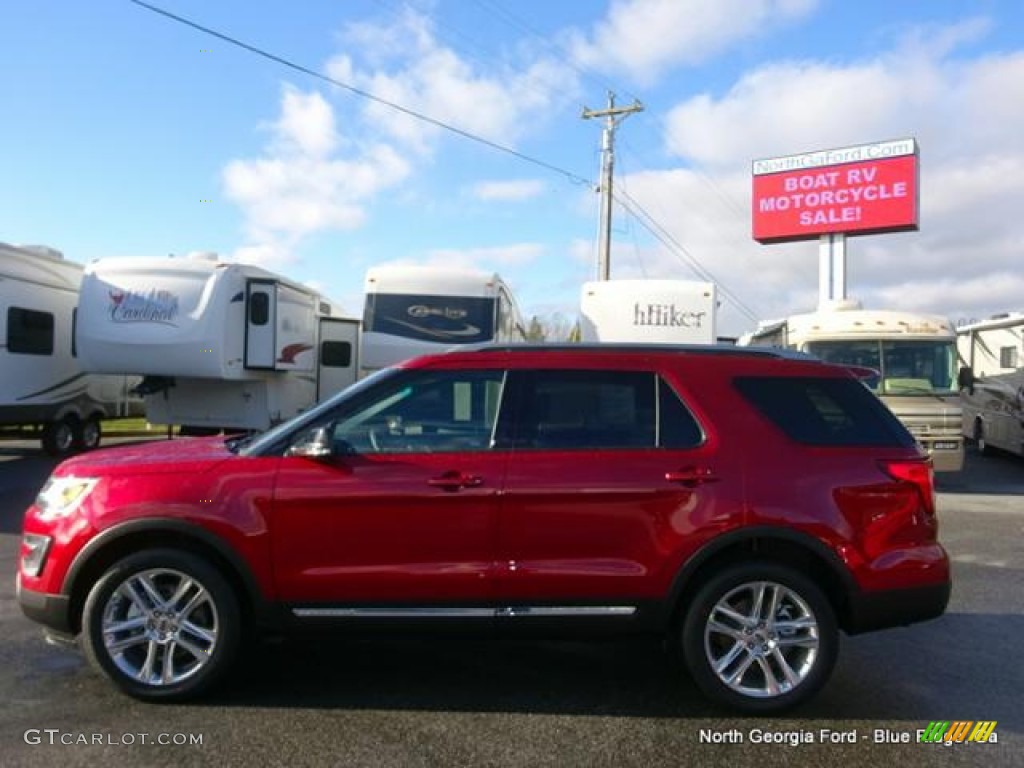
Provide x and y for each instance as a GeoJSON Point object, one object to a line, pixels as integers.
{"type": "Point", "coordinates": [52, 611]}
{"type": "Point", "coordinates": [896, 608]}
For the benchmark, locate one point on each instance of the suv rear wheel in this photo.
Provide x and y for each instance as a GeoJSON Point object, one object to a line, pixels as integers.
{"type": "Point", "coordinates": [162, 624]}
{"type": "Point", "coordinates": [760, 637]}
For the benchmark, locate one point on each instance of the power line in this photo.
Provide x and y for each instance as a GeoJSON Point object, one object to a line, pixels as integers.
{"type": "Point", "coordinates": [574, 178]}
{"type": "Point", "coordinates": [675, 247]}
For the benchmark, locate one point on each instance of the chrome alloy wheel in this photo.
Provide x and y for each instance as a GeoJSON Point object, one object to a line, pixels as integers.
{"type": "Point", "coordinates": [761, 639]}
{"type": "Point", "coordinates": [160, 627]}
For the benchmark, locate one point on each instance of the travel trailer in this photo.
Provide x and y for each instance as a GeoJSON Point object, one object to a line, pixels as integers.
{"type": "Point", "coordinates": [43, 388]}
{"type": "Point", "coordinates": [914, 356]}
{"type": "Point", "coordinates": [648, 311]}
{"type": "Point", "coordinates": [992, 382]}
{"type": "Point", "coordinates": [220, 345]}
{"type": "Point", "coordinates": [416, 310]}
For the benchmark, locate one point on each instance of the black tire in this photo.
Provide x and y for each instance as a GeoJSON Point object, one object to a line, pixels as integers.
{"type": "Point", "coordinates": [751, 651]}
{"type": "Point", "coordinates": [59, 435]}
{"type": "Point", "coordinates": [200, 638]}
{"type": "Point", "coordinates": [88, 434]}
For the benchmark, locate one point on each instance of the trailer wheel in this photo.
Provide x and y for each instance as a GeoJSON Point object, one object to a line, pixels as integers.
{"type": "Point", "coordinates": [88, 434]}
{"type": "Point", "coordinates": [59, 436]}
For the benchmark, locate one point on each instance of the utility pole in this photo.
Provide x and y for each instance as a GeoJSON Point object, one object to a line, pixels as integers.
{"type": "Point", "coordinates": [613, 116]}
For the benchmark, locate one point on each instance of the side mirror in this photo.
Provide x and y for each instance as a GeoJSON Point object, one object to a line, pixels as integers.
{"type": "Point", "coordinates": [965, 379]}
{"type": "Point", "coordinates": [315, 444]}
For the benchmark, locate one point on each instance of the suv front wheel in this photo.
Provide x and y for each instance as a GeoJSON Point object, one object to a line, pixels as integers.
{"type": "Point", "coordinates": [760, 637]}
{"type": "Point", "coordinates": [162, 624]}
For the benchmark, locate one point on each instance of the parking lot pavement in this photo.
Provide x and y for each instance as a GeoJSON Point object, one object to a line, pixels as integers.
{"type": "Point", "coordinates": [404, 701]}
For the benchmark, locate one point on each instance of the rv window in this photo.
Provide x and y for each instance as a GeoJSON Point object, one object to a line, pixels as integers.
{"type": "Point", "coordinates": [336, 354]}
{"type": "Point", "coordinates": [259, 308]}
{"type": "Point", "coordinates": [1008, 357]}
{"type": "Point", "coordinates": [29, 332]}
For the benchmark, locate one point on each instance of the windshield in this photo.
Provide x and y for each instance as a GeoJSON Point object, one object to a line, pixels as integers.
{"type": "Point", "coordinates": [447, 319]}
{"type": "Point", "coordinates": [926, 367]}
{"type": "Point", "coordinates": [256, 445]}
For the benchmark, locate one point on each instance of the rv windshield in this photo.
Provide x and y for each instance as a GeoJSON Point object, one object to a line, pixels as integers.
{"type": "Point", "coordinates": [922, 367]}
{"type": "Point", "coordinates": [448, 319]}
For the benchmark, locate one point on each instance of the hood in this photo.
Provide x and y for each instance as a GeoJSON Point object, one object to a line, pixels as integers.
{"type": "Point", "coordinates": [186, 455]}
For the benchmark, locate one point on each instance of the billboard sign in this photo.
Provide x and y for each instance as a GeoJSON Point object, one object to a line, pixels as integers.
{"type": "Point", "coordinates": [859, 190]}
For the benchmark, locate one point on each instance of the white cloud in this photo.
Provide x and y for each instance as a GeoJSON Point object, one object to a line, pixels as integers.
{"type": "Point", "coordinates": [489, 259]}
{"type": "Point", "coordinates": [509, 191]}
{"type": "Point", "coordinates": [413, 70]}
{"type": "Point", "coordinates": [641, 39]}
{"type": "Point", "coordinates": [302, 184]}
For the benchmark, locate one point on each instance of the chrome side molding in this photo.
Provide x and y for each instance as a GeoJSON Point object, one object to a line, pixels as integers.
{"type": "Point", "coordinates": [507, 612]}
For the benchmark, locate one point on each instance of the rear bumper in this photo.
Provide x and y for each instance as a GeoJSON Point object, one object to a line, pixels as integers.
{"type": "Point", "coordinates": [896, 608]}
{"type": "Point", "coordinates": [52, 611]}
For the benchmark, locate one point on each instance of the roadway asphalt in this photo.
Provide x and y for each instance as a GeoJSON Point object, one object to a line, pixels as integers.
{"type": "Point", "coordinates": [404, 701]}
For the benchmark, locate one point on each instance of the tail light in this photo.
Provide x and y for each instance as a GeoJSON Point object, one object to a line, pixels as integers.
{"type": "Point", "coordinates": [918, 472]}
{"type": "Point", "coordinates": [893, 514]}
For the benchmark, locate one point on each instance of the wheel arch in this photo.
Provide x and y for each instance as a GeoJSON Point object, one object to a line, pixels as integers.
{"type": "Point", "coordinates": [787, 547]}
{"type": "Point", "coordinates": [134, 536]}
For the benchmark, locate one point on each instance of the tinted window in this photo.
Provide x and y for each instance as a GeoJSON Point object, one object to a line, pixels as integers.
{"type": "Point", "coordinates": [676, 426]}
{"type": "Point", "coordinates": [448, 319]}
{"type": "Point", "coordinates": [423, 411]}
{"type": "Point", "coordinates": [29, 332]}
{"type": "Point", "coordinates": [825, 411]}
{"type": "Point", "coordinates": [559, 410]}
{"type": "Point", "coordinates": [336, 354]}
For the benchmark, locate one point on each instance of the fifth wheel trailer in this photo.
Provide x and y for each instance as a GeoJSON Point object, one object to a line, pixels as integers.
{"type": "Point", "coordinates": [220, 345]}
{"type": "Point", "coordinates": [648, 311]}
{"type": "Point", "coordinates": [43, 386]}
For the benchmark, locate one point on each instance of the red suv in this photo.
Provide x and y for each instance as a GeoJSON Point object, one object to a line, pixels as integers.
{"type": "Point", "coordinates": [747, 504]}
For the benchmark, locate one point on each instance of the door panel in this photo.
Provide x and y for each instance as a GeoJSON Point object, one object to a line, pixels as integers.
{"type": "Point", "coordinates": [260, 323]}
{"type": "Point", "coordinates": [357, 529]}
{"type": "Point", "coordinates": [405, 508]}
{"type": "Point", "coordinates": [613, 517]}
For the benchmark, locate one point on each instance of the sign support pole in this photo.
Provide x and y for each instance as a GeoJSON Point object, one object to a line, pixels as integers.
{"type": "Point", "coordinates": [831, 269]}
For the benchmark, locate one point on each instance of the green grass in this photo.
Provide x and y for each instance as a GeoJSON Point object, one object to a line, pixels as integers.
{"type": "Point", "coordinates": [132, 425]}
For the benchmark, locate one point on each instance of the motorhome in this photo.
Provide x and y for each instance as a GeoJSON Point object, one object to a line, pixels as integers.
{"type": "Point", "coordinates": [913, 357]}
{"type": "Point", "coordinates": [416, 310]}
{"type": "Point", "coordinates": [648, 311]}
{"type": "Point", "coordinates": [220, 345]}
{"type": "Point", "coordinates": [992, 382]}
{"type": "Point", "coordinates": [43, 388]}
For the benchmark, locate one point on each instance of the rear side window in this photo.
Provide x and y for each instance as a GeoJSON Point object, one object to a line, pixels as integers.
{"type": "Point", "coordinates": [825, 411]}
{"type": "Point", "coordinates": [559, 410]}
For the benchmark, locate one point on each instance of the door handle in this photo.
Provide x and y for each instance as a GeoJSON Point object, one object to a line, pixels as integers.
{"type": "Point", "coordinates": [691, 477]}
{"type": "Point", "coordinates": [455, 480]}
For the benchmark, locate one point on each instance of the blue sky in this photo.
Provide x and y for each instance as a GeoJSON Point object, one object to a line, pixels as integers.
{"type": "Point", "coordinates": [124, 133]}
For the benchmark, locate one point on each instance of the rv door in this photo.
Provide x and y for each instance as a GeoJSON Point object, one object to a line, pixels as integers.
{"type": "Point", "coordinates": [338, 358]}
{"type": "Point", "coordinates": [260, 323]}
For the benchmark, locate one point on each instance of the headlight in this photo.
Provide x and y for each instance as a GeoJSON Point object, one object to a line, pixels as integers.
{"type": "Point", "coordinates": [62, 495]}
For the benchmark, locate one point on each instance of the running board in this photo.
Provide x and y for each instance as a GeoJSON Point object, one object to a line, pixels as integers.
{"type": "Point", "coordinates": [509, 612]}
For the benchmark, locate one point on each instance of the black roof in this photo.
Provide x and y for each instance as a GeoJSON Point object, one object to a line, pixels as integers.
{"type": "Point", "coordinates": [636, 348]}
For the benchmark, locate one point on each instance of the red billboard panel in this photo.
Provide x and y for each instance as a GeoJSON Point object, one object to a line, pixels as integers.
{"type": "Point", "coordinates": [856, 191]}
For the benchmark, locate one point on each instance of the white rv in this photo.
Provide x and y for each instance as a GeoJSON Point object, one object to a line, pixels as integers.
{"type": "Point", "coordinates": [914, 356]}
{"type": "Point", "coordinates": [220, 345]}
{"type": "Point", "coordinates": [992, 382]}
{"type": "Point", "coordinates": [42, 385]}
{"type": "Point", "coordinates": [648, 311]}
{"type": "Point", "coordinates": [416, 310]}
